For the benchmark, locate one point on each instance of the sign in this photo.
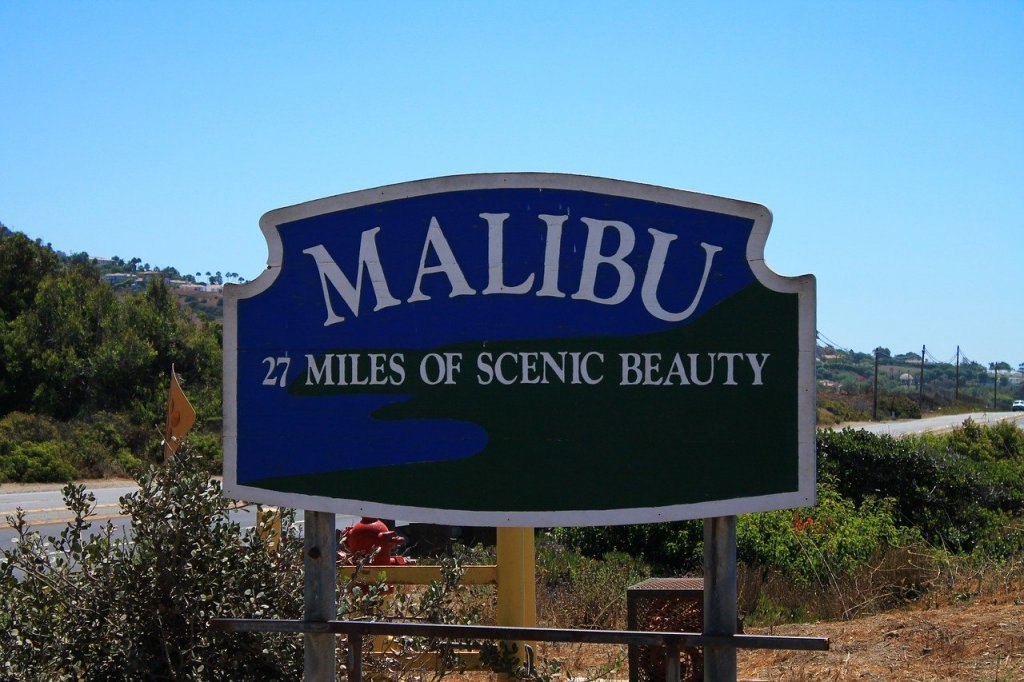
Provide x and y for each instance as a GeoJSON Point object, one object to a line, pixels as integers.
{"type": "Point", "coordinates": [180, 417]}
{"type": "Point", "coordinates": [520, 350]}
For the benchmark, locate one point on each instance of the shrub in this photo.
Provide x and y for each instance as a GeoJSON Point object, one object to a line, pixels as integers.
{"type": "Point", "coordinates": [20, 427]}
{"type": "Point", "coordinates": [888, 579]}
{"type": "Point", "coordinates": [860, 464]}
{"type": "Point", "coordinates": [899, 406]}
{"type": "Point", "coordinates": [671, 547]}
{"type": "Point", "coordinates": [958, 489]}
{"type": "Point", "coordinates": [583, 592]}
{"type": "Point", "coordinates": [838, 411]}
{"type": "Point", "coordinates": [816, 546]}
{"type": "Point", "coordinates": [35, 448]}
{"type": "Point", "coordinates": [35, 463]}
{"type": "Point", "coordinates": [92, 605]}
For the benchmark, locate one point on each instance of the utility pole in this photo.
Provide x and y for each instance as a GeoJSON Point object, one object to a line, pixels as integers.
{"type": "Point", "coordinates": [995, 385]}
{"type": "Point", "coordinates": [956, 391]}
{"type": "Point", "coordinates": [920, 388]}
{"type": "Point", "coordinates": [874, 410]}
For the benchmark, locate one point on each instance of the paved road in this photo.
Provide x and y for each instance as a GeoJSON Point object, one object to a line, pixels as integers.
{"type": "Point", "coordinates": [47, 514]}
{"type": "Point", "coordinates": [943, 423]}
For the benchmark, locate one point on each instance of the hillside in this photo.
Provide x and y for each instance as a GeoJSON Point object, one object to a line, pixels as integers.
{"type": "Point", "coordinates": [909, 385]}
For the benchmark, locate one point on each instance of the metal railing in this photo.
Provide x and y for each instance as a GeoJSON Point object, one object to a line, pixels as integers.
{"type": "Point", "coordinates": [672, 642]}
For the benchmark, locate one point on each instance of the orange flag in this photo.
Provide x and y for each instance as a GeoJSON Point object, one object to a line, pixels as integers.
{"type": "Point", "coordinates": [180, 417]}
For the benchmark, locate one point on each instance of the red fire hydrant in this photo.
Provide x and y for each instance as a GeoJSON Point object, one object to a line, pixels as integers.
{"type": "Point", "coordinates": [370, 540]}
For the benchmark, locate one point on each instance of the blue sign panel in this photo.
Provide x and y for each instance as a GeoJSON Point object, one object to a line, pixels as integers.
{"type": "Point", "coordinates": [522, 349]}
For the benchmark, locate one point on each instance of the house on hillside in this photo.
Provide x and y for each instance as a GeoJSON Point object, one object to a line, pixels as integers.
{"type": "Point", "coordinates": [118, 278]}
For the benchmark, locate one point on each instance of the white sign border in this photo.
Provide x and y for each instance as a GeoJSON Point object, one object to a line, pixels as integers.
{"type": "Point", "coordinates": [804, 286]}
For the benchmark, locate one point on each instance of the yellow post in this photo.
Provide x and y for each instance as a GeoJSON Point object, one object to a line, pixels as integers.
{"type": "Point", "coordinates": [268, 526]}
{"type": "Point", "coordinates": [517, 585]}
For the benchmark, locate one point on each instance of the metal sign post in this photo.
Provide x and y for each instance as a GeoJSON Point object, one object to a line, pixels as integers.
{"type": "Point", "coordinates": [319, 600]}
{"type": "Point", "coordinates": [720, 596]}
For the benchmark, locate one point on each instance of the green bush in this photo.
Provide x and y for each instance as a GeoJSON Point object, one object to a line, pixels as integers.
{"type": "Point", "coordinates": [957, 489]}
{"type": "Point", "coordinates": [898, 406]}
{"type": "Point", "coordinates": [20, 427]}
{"type": "Point", "coordinates": [999, 442]}
{"type": "Point", "coordinates": [36, 448]}
{"type": "Point", "coordinates": [35, 463]}
{"type": "Point", "coordinates": [672, 547]}
{"type": "Point", "coordinates": [92, 605]}
{"type": "Point", "coordinates": [817, 545]}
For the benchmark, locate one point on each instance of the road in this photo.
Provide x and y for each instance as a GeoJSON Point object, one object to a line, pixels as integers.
{"type": "Point", "coordinates": [47, 514]}
{"type": "Point", "coordinates": [942, 423]}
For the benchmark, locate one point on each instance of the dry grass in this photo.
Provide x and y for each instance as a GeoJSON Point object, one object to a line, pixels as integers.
{"type": "Point", "coordinates": [908, 617]}
{"type": "Point", "coordinates": [892, 579]}
{"type": "Point", "coordinates": [962, 642]}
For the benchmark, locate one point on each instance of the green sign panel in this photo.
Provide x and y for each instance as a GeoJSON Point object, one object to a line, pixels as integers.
{"type": "Point", "coordinates": [520, 350]}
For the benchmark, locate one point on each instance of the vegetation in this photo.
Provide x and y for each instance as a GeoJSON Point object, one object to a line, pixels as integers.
{"type": "Point", "coordinates": [847, 386]}
{"type": "Point", "coordinates": [925, 519]}
{"type": "Point", "coordinates": [83, 381]}
{"type": "Point", "coordinates": [93, 604]}
{"type": "Point", "coordinates": [895, 519]}
{"type": "Point", "coordinates": [85, 368]}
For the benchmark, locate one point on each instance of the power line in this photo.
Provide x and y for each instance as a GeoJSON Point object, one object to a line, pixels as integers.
{"type": "Point", "coordinates": [833, 344]}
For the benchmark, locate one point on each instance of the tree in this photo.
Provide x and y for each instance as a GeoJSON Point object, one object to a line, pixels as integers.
{"type": "Point", "coordinates": [54, 341]}
{"type": "Point", "coordinates": [82, 348]}
{"type": "Point", "coordinates": [23, 265]}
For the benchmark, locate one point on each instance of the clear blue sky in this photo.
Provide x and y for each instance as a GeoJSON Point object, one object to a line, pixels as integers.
{"type": "Point", "coordinates": [887, 138]}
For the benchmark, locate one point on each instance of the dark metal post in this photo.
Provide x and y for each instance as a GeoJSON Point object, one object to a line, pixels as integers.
{"type": "Point", "coordinates": [920, 388]}
{"type": "Point", "coordinates": [673, 665]}
{"type": "Point", "coordinates": [956, 391]}
{"type": "Point", "coordinates": [720, 596]}
{"type": "Point", "coordinates": [995, 386]}
{"type": "Point", "coordinates": [319, 603]}
{"type": "Point", "coordinates": [355, 657]}
{"type": "Point", "coordinates": [874, 410]}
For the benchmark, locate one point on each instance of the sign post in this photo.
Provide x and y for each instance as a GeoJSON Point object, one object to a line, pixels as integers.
{"type": "Point", "coordinates": [517, 583]}
{"type": "Point", "coordinates": [720, 595]}
{"type": "Point", "coordinates": [319, 595]}
{"type": "Point", "coordinates": [523, 350]}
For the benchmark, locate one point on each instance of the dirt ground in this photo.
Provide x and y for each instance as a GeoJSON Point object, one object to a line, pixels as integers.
{"type": "Point", "coordinates": [963, 642]}
{"type": "Point", "coordinates": [966, 642]}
